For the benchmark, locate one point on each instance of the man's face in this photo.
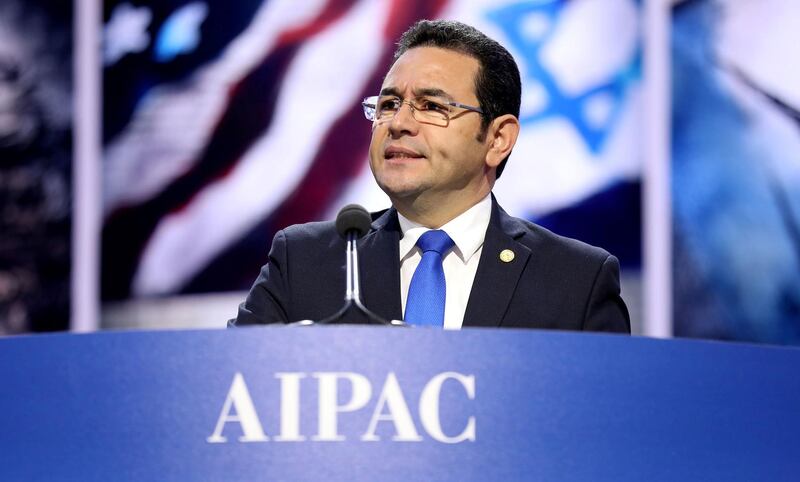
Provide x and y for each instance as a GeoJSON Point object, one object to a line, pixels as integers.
{"type": "Point", "coordinates": [416, 162]}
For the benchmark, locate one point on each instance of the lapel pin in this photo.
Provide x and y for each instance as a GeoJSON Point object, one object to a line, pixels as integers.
{"type": "Point", "coordinates": [506, 256]}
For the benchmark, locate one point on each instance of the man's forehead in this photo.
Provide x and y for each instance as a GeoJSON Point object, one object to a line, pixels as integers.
{"type": "Point", "coordinates": [425, 70]}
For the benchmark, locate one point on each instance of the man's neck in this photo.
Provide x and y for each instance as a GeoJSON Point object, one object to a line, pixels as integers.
{"type": "Point", "coordinates": [434, 215]}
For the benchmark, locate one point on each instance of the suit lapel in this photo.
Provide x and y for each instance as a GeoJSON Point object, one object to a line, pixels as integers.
{"type": "Point", "coordinates": [496, 280]}
{"type": "Point", "coordinates": [379, 266]}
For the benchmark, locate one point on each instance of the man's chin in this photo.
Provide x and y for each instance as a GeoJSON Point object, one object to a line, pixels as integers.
{"type": "Point", "coordinates": [404, 192]}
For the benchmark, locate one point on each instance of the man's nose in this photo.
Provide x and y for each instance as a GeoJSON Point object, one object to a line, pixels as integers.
{"type": "Point", "coordinates": [403, 121]}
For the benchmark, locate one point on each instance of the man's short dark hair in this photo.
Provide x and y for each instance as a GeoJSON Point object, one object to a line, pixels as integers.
{"type": "Point", "coordinates": [497, 83]}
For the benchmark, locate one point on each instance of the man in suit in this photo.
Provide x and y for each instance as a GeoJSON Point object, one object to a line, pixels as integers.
{"type": "Point", "coordinates": [445, 254]}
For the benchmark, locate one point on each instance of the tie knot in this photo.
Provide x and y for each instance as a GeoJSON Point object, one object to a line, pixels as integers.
{"type": "Point", "coordinates": [435, 240]}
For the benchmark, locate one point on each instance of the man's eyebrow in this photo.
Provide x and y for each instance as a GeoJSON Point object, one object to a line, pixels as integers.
{"type": "Point", "coordinates": [423, 92]}
{"type": "Point", "coordinates": [390, 91]}
{"type": "Point", "coordinates": [432, 92]}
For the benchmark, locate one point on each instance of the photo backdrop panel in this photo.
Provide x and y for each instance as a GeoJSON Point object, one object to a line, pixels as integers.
{"type": "Point", "coordinates": [736, 170]}
{"type": "Point", "coordinates": [226, 122]}
{"type": "Point", "coordinates": [35, 165]}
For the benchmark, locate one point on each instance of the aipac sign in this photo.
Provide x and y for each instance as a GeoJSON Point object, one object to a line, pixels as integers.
{"type": "Point", "coordinates": [390, 406]}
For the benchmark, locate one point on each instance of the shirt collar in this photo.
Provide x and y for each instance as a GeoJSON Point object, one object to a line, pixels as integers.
{"type": "Point", "coordinates": [467, 230]}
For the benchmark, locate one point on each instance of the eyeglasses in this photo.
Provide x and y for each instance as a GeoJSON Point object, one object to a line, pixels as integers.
{"type": "Point", "coordinates": [427, 110]}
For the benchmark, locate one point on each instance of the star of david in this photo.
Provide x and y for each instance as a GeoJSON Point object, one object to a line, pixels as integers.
{"type": "Point", "coordinates": [511, 20]}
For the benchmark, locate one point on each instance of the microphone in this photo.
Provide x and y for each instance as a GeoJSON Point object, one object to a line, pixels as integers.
{"type": "Point", "coordinates": [353, 217]}
{"type": "Point", "coordinates": [352, 223]}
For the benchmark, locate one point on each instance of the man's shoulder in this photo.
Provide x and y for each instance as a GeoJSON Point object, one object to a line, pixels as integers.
{"type": "Point", "coordinates": [312, 237]}
{"type": "Point", "coordinates": [325, 231]}
{"type": "Point", "coordinates": [545, 242]}
{"type": "Point", "coordinates": [310, 230]}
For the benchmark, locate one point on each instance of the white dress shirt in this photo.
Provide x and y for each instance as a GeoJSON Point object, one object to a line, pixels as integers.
{"type": "Point", "coordinates": [460, 264]}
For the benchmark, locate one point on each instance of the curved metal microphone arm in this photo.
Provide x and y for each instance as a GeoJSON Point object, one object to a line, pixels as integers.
{"type": "Point", "coordinates": [352, 222]}
{"type": "Point", "coordinates": [352, 292]}
{"type": "Point", "coordinates": [353, 308]}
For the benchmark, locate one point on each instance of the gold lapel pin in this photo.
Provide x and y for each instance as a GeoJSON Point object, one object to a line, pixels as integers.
{"type": "Point", "coordinates": [506, 256]}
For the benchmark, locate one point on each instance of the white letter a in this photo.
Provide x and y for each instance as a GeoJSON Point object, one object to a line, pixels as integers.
{"type": "Point", "coordinates": [239, 399]}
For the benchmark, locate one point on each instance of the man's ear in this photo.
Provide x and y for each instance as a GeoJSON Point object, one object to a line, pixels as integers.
{"type": "Point", "coordinates": [501, 136]}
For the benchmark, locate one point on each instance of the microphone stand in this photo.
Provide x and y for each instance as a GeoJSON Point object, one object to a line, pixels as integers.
{"type": "Point", "coordinates": [353, 308]}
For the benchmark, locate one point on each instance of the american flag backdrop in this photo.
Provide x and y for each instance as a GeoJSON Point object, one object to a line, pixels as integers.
{"type": "Point", "coordinates": [224, 122]}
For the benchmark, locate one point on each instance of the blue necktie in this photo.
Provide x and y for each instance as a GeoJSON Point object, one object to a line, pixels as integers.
{"type": "Point", "coordinates": [427, 291]}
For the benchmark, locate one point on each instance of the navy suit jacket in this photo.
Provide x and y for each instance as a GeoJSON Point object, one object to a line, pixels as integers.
{"type": "Point", "coordinates": [553, 282]}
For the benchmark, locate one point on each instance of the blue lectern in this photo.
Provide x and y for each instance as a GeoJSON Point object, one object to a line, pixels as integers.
{"type": "Point", "coordinates": [368, 403]}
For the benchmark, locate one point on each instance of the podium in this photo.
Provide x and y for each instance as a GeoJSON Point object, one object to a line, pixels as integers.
{"type": "Point", "coordinates": [374, 403]}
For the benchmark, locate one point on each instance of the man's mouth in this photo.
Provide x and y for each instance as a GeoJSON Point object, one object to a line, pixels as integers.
{"type": "Point", "coordinates": [396, 152]}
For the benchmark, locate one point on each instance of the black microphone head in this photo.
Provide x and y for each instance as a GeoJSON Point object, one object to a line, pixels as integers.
{"type": "Point", "coordinates": [353, 217]}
